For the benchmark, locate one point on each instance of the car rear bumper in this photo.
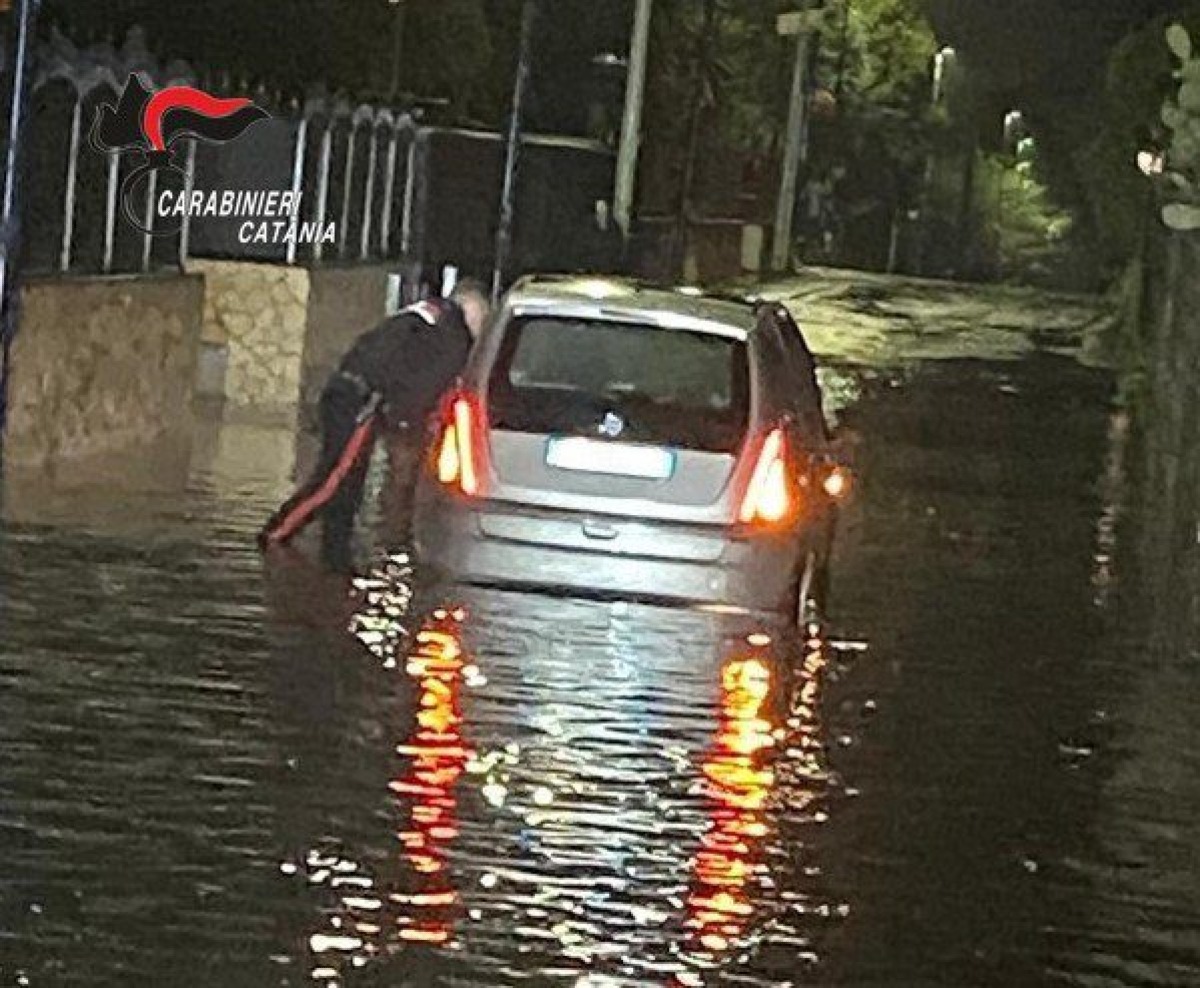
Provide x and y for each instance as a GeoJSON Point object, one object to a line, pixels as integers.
{"type": "Point", "coordinates": [506, 545]}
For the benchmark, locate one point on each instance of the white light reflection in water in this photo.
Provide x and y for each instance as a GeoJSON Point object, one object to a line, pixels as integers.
{"type": "Point", "coordinates": [386, 594]}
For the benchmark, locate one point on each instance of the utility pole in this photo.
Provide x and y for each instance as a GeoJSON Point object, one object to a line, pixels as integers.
{"type": "Point", "coordinates": [512, 148]}
{"type": "Point", "coordinates": [631, 121]}
{"type": "Point", "coordinates": [11, 209]}
{"type": "Point", "coordinates": [792, 24]}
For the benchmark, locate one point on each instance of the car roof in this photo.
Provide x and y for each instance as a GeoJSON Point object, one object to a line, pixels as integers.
{"type": "Point", "coordinates": [627, 300]}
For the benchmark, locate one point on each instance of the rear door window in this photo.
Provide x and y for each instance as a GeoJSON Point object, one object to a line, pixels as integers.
{"type": "Point", "coordinates": [621, 381]}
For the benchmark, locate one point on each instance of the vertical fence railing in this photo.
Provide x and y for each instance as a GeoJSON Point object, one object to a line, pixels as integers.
{"type": "Point", "coordinates": [410, 192]}
{"type": "Point", "coordinates": [347, 188]}
{"type": "Point", "coordinates": [148, 220]}
{"type": "Point", "coordinates": [389, 187]}
{"type": "Point", "coordinates": [364, 243]}
{"type": "Point", "coordinates": [189, 183]}
{"type": "Point", "coordinates": [68, 234]}
{"type": "Point", "coordinates": [323, 166]}
{"type": "Point", "coordinates": [297, 186]}
{"type": "Point", "coordinates": [371, 198]}
{"type": "Point", "coordinates": [352, 166]}
{"type": "Point", "coordinates": [110, 213]}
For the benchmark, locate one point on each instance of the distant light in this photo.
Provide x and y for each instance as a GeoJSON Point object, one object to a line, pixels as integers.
{"type": "Point", "coordinates": [836, 483]}
{"type": "Point", "coordinates": [609, 60]}
{"type": "Point", "coordinates": [1150, 162]}
{"type": "Point", "coordinates": [939, 71]}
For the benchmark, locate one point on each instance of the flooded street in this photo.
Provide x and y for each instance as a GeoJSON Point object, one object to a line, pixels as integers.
{"type": "Point", "coordinates": [986, 772]}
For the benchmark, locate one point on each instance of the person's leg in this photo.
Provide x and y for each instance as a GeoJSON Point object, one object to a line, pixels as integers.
{"type": "Point", "coordinates": [339, 412]}
{"type": "Point", "coordinates": [405, 458]}
{"type": "Point", "coordinates": [339, 512]}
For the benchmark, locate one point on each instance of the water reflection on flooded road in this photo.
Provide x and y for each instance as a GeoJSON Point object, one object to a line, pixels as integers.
{"type": "Point", "coordinates": [582, 791]}
{"type": "Point", "coordinates": [984, 773]}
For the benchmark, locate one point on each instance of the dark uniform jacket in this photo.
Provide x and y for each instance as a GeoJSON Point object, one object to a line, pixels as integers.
{"type": "Point", "coordinates": [410, 359]}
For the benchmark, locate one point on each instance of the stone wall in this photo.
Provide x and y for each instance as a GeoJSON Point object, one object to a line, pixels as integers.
{"type": "Point", "coordinates": [259, 314]}
{"type": "Point", "coordinates": [101, 364]}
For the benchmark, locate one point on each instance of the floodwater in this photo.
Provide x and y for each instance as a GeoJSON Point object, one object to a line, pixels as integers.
{"type": "Point", "coordinates": [985, 772]}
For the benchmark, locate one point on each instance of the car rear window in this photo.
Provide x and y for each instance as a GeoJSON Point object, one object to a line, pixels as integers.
{"type": "Point", "coordinates": [628, 382]}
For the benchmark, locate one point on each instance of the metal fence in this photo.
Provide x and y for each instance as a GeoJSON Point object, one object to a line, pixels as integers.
{"type": "Point", "coordinates": [394, 189]}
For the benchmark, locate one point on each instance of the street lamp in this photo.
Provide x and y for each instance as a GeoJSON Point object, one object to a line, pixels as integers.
{"type": "Point", "coordinates": [1150, 163]}
{"type": "Point", "coordinates": [1014, 122]}
{"type": "Point", "coordinates": [940, 61]}
{"type": "Point", "coordinates": [944, 57]}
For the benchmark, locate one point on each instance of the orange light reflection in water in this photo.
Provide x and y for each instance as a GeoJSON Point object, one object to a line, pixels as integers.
{"type": "Point", "coordinates": [436, 757]}
{"type": "Point", "coordinates": [718, 906]}
{"type": "Point", "coordinates": [728, 864]}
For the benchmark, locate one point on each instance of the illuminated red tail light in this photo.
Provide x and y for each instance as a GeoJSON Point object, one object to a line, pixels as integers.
{"type": "Point", "coordinates": [463, 444]}
{"type": "Point", "coordinates": [770, 496]}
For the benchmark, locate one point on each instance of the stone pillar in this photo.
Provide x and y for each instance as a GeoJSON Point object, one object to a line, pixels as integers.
{"type": "Point", "coordinates": [259, 314]}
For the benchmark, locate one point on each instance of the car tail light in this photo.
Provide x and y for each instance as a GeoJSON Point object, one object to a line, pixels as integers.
{"type": "Point", "coordinates": [463, 443]}
{"type": "Point", "coordinates": [770, 496]}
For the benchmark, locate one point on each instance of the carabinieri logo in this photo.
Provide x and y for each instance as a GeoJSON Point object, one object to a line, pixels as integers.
{"type": "Point", "coordinates": [152, 124]}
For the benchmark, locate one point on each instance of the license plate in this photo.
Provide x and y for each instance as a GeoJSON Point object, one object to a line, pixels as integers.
{"type": "Point", "coordinates": [621, 459]}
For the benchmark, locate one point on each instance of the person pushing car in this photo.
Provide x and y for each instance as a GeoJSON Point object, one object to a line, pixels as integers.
{"type": "Point", "coordinates": [393, 374]}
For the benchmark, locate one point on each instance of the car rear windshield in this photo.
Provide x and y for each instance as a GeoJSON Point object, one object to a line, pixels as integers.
{"type": "Point", "coordinates": [623, 381]}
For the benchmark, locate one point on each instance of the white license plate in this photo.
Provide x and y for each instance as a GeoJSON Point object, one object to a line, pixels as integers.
{"type": "Point", "coordinates": [622, 459]}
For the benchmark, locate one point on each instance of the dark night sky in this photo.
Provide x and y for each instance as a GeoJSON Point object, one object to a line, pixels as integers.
{"type": "Point", "coordinates": [1046, 57]}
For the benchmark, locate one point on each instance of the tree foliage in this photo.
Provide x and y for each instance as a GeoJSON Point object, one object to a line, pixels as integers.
{"type": "Point", "coordinates": [878, 57]}
{"type": "Point", "coordinates": [735, 77]}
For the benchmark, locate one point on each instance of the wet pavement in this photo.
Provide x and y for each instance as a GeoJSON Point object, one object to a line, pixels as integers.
{"type": "Point", "coordinates": [983, 772]}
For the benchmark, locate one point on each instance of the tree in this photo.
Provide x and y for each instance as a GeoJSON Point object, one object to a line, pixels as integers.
{"type": "Point", "coordinates": [877, 59]}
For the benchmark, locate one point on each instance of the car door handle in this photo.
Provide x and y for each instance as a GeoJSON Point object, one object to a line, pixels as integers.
{"type": "Point", "coordinates": [599, 530]}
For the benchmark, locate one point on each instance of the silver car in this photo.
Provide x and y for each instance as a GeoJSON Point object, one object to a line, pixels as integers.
{"type": "Point", "coordinates": [613, 439]}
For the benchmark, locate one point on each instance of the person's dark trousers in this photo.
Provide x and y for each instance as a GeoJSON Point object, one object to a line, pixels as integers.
{"type": "Point", "coordinates": [406, 457]}
{"type": "Point", "coordinates": [334, 490]}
